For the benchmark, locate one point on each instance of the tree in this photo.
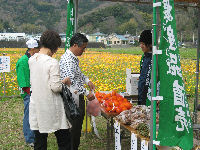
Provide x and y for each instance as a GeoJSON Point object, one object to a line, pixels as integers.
{"type": "Point", "coordinates": [186, 24]}
{"type": "Point", "coordinates": [106, 25]}
{"type": "Point", "coordinates": [148, 19]}
{"type": "Point", "coordinates": [8, 27]}
{"type": "Point", "coordinates": [30, 28]}
{"type": "Point", "coordinates": [129, 27]}
{"type": "Point", "coordinates": [1, 27]}
{"type": "Point", "coordinates": [86, 29]}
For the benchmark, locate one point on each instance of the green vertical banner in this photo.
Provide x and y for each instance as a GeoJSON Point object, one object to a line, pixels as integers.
{"type": "Point", "coordinates": [175, 125]}
{"type": "Point", "coordinates": [70, 22]}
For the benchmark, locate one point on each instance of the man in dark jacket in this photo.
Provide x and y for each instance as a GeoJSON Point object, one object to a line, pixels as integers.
{"type": "Point", "coordinates": [145, 66]}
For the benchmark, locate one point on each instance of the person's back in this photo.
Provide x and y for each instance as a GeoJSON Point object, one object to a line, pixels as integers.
{"type": "Point", "coordinates": [40, 76]}
{"type": "Point", "coordinates": [45, 95]}
{"type": "Point", "coordinates": [23, 78]}
{"type": "Point", "coordinates": [47, 112]}
{"type": "Point", "coordinates": [23, 73]}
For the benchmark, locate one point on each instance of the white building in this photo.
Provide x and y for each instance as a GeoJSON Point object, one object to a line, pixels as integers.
{"type": "Point", "coordinates": [63, 37]}
{"type": "Point", "coordinates": [37, 36]}
{"type": "Point", "coordinates": [12, 36]}
{"type": "Point", "coordinates": [95, 37]}
{"type": "Point", "coordinates": [131, 39]}
{"type": "Point", "coordinates": [114, 39]}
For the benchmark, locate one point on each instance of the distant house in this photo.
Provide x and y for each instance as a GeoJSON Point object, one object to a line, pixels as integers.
{"type": "Point", "coordinates": [115, 39]}
{"type": "Point", "coordinates": [63, 37]}
{"type": "Point", "coordinates": [28, 36]}
{"type": "Point", "coordinates": [12, 36]}
{"type": "Point", "coordinates": [103, 40]}
{"type": "Point", "coordinates": [95, 37]}
{"type": "Point", "coordinates": [131, 39]}
{"type": "Point", "coordinates": [37, 36]}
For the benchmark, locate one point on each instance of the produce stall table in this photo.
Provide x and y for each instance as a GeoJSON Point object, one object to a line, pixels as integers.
{"type": "Point", "coordinates": [110, 126]}
{"type": "Point", "coordinates": [143, 140]}
{"type": "Point", "coordinates": [110, 115]}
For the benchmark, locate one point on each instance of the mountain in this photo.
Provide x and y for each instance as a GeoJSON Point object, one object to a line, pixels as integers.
{"type": "Point", "coordinates": [119, 18]}
{"type": "Point", "coordinates": [35, 16]}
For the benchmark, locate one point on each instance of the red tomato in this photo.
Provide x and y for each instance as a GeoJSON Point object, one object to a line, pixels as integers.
{"type": "Point", "coordinates": [118, 110]}
{"type": "Point", "coordinates": [114, 93]}
{"type": "Point", "coordinates": [108, 109]}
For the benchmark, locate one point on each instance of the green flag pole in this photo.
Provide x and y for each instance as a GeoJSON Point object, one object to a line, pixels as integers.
{"type": "Point", "coordinates": [154, 68]}
{"type": "Point", "coordinates": [70, 22]}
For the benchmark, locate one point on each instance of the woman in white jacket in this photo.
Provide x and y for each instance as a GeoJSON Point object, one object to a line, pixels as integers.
{"type": "Point", "coordinates": [47, 112]}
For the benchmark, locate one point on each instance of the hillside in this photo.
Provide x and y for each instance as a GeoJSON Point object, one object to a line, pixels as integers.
{"type": "Point", "coordinates": [35, 16]}
{"type": "Point", "coordinates": [120, 18]}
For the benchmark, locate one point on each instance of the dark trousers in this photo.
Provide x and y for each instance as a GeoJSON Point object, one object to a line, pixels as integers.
{"type": "Point", "coordinates": [62, 136]}
{"type": "Point", "coordinates": [77, 125]}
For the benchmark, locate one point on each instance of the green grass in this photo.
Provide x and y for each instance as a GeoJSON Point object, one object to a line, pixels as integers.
{"type": "Point", "coordinates": [11, 133]}
{"type": "Point", "coordinates": [130, 50]}
{"type": "Point", "coordinates": [186, 53]}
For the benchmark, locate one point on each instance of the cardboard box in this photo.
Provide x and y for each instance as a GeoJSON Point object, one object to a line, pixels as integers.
{"type": "Point", "coordinates": [132, 82]}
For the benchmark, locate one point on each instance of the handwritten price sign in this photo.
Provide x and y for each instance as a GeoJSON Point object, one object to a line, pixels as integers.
{"type": "Point", "coordinates": [4, 63]}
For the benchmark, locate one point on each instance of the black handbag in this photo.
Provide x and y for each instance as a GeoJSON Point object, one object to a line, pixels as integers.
{"type": "Point", "coordinates": [71, 109]}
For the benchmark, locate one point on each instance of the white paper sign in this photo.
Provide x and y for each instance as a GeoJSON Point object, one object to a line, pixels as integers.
{"type": "Point", "coordinates": [133, 141]}
{"type": "Point", "coordinates": [117, 136]}
{"type": "Point", "coordinates": [144, 145]}
{"type": "Point", "coordinates": [95, 128]}
{"type": "Point", "coordinates": [4, 63]}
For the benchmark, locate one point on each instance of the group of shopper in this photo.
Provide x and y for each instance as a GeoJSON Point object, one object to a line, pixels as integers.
{"type": "Point", "coordinates": [43, 104]}
{"type": "Point", "coordinates": [40, 78]}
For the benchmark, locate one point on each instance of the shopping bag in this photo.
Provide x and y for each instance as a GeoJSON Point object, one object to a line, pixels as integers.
{"type": "Point", "coordinates": [88, 119]}
{"type": "Point", "coordinates": [71, 109]}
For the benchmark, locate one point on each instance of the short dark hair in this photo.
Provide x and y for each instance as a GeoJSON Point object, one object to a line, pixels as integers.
{"type": "Point", "coordinates": [38, 44]}
{"type": "Point", "coordinates": [78, 39]}
{"type": "Point", "coordinates": [146, 37]}
{"type": "Point", "coordinates": [50, 39]}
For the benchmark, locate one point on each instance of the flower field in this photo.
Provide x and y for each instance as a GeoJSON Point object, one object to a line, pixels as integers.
{"type": "Point", "coordinates": [106, 70]}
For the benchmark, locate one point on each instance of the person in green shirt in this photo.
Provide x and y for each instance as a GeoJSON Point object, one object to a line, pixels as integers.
{"type": "Point", "coordinates": [23, 78]}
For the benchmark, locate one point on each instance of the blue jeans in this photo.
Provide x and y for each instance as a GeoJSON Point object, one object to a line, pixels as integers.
{"type": "Point", "coordinates": [28, 133]}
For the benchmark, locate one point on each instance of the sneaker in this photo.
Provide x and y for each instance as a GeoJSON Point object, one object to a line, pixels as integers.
{"type": "Point", "coordinates": [30, 144]}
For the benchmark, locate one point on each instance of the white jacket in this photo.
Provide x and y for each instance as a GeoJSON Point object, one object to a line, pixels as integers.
{"type": "Point", "coordinates": [46, 110]}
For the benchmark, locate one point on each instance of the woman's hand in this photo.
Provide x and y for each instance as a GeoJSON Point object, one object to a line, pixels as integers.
{"type": "Point", "coordinates": [90, 96]}
{"type": "Point", "coordinates": [91, 86]}
{"type": "Point", "coordinates": [66, 81]}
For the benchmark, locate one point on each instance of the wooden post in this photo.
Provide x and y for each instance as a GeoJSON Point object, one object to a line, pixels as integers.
{"type": "Point", "coordinates": [76, 15]}
{"type": "Point", "coordinates": [197, 68]}
{"type": "Point", "coordinates": [4, 81]}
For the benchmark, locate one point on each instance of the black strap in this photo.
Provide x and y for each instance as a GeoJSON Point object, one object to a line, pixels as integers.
{"type": "Point", "coordinates": [28, 54]}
